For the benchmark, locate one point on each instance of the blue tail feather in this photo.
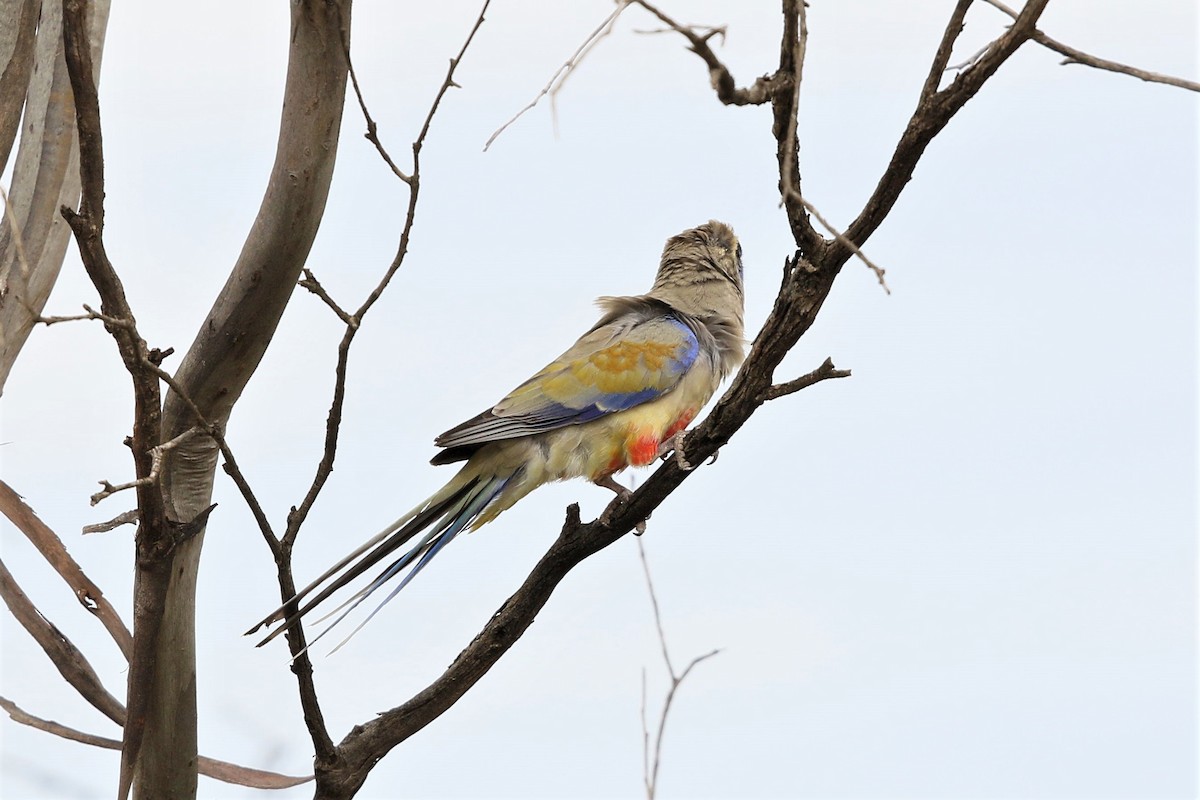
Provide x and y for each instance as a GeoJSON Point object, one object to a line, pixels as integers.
{"type": "Point", "coordinates": [446, 518]}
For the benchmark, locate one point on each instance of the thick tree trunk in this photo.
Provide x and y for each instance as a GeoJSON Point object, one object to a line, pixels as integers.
{"type": "Point", "coordinates": [46, 174]}
{"type": "Point", "coordinates": [216, 369]}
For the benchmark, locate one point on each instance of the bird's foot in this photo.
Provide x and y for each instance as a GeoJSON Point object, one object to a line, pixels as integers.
{"type": "Point", "coordinates": [623, 494]}
{"type": "Point", "coordinates": [675, 445]}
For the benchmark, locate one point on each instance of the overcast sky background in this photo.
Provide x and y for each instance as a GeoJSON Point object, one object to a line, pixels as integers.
{"type": "Point", "coordinates": [967, 571]}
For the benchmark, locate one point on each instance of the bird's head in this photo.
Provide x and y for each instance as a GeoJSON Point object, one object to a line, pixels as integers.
{"type": "Point", "coordinates": [701, 273]}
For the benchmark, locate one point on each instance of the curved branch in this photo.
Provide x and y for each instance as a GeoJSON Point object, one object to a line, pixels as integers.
{"type": "Point", "coordinates": [18, 33]}
{"type": "Point", "coordinates": [1073, 56]}
{"type": "Point", "coordinates": [33, 237]}
{"type": "Point", "coordinates": [210, 767]}
{"type": "Point", "coordinates": [52, 549]}
{"type": "Point", "coordinates": [160, 740]}
{"type": "Point", "coordinates": [934, 110]}
{"type": "Point", "coordinates": [66, 657]}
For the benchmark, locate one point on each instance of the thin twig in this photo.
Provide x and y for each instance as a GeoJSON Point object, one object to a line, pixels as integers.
{"type": "Point", "coordinates": [650, 766]}
{"type": "Point", "coordinates": [841, 237]}
{"type": "Point", "coordinates": [157, 453]}
{"type": "Point", "coordinates": [969, 61]}
{"type": "Point", "coordinates": [124, 518]}
{"type": "Point", "coordinates": [310, 282]}
{"type": "Point", "coordinates": [728, 92]}
{"type": "Point", "coordinates": [1074, 56]}
{"type": "Point", "coordinates": [564, 71]}
{"type": "Point", "coordinates": [821, 373]}
{"type": "Point", "coordinates": [89, 313]}
{"type": "Point", "coordinates": [211, 767]}
{"type": "Point", "coordinates": [704, 31]}
{"type": "Point", "coordinates": [333, 421]}
{"type": "Point", "coordinates": [281, 547]}
{"type": "Point", "coordinates": [372, 134]}
{"type": "Point", "coordinates": [230, 466]}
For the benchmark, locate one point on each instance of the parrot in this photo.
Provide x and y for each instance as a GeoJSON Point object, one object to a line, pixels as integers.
{"type": "Point", "coordinates": [622, 395]}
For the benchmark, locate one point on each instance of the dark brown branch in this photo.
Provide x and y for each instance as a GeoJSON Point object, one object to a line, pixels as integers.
{"type": "Point", "coordinates": [934, 112]}
{"type": "Point", "coordinates": [88, 227]}
{"type": "Point", "coordinates": [65, 656]}
{"type": "Point", "coordinates": [310, 282]}
{"type": "Point", "coordinates": [821, 373]}
{"type": "Point", "coordinates": [214, 432]}
{"type": "Point", "coordinates": [1073, 56]}
{"type": "Point", "coordinates": [220, 770]}
{"type": "Point", "coordinates": [154, 533]}
{"type": "Point", "coordinates": [353, 322]}
{"type": "Point", "coordinates": [372, 134]}
{"type": "Point", "coordinates": [728, 92]}
{"type": "Point", "coordinates": [51, 547]}
{"type": "Point", "coordinates": [941, 57]}
{"type": "Point", "coordinates": [327, 757]}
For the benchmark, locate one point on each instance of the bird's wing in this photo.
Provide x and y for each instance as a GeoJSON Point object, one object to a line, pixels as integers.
{"type": "Point", "coordinates": [627, 360]}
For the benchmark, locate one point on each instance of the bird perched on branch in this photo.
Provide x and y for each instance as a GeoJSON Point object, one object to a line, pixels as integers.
{"type": "Point", "coordinates": [620, 396]}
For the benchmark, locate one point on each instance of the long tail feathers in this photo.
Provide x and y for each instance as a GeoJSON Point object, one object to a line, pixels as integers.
{"type": "Point", "coordinates": [449, 512]}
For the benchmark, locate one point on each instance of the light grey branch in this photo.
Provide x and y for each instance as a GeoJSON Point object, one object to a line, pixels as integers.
{"type": "Point", "coordinates": [563, 72]}
{"type": "Point", "coordinates": [1074, 56]}
{"type": "Point", "coordinates": [210, 767]}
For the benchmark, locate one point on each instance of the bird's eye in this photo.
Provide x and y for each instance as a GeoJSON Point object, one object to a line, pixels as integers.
{"type": "Point", "coordinates": [741, 271]}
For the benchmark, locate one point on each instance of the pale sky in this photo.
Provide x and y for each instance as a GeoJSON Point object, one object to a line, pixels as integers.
{"type": "Point", "coordinates": [968, 571]}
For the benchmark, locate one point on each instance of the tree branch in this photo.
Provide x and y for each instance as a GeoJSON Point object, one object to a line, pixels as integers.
{"type": "Point", "coordinates": [563, 72]}
{"type": "Point", "coordinates": [45, 176]}
{"type": "Point", "coordinates": [821, 373]}
{"type": "Point", "coordinates": [51, 547]}
{"type": "Point", "coordinates": [934, 110]}
{"type": "Point", "coordinates": [210, 767]}
{"type": "Point", "coordinates": [1074, 56]}
{"type": "Point", "coordinates": [65, 656]}
{"type": "Point", "coordinates": [728, 92]}
{"type": "Point", "coordinates": [651, 765]}
{"type": "Point", "coordinates": [160, 752]}
{"type": "Point", "coordinates": [327, 756]}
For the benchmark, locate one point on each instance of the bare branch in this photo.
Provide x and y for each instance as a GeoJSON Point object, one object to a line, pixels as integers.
{"type": "Point", "coordinates": [728, 92]}
{"type": "Point", "coordinates": [328, 756]}
{"type": "Point", "coordinates": [650, 765]}
{"type": "Point", "coordinates": [310, 282]}
{"type": "Point", "coordinates": [211, 767]}
{"type": "Point", "coordinates": [1074, 56]}
{"type": "Point", "coordinates": [841, 237]}
{"type": "Point", "coordinates": [934, 111]}
{"type": "Point", "coordinates": [89, 314]}
{"type": "Point", "coordinates": [124, 518]}
{"type": "Point", "coordinates": [563, 72]}
{"type": "Point", "coordinates": [52, 549]}
{"type": "Point", "coordinates": [65, 656]}
{"type": "Point", "coordinates": [88, 227]}
{"type": "Point", "coordinates": [45, 174]}
{"type": "Point", "coordinates": [157, 454]}
{"type": "Point", "coordinates": [823, 372]}
{"type": "Point", "coordinates": [353, 321]}
{"type": "Point", "coordinates": [941, 57]}
{"type": "Point", "coordinates": [372, 134]}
